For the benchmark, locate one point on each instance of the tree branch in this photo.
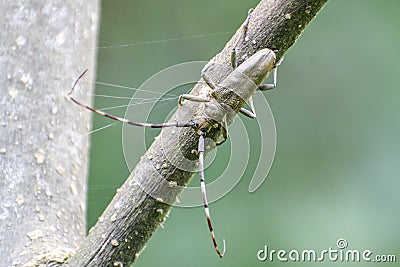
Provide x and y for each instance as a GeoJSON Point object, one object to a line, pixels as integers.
{"type": "Point", "coordinates": [133, 215]}
{"type": "Point", "coordinates": [43, 152]}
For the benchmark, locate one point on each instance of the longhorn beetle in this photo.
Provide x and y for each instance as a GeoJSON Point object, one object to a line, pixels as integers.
{"type": "Point", "coordinates": [217, 106]}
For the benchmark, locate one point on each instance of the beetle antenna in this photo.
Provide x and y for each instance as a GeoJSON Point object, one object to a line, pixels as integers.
{"type": "Point", "coordinates": [123, 120]}
{"type": "Point", "coordinates": [203, 191]}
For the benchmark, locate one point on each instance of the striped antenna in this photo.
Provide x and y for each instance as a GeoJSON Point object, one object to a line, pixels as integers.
{"type": "Point", "coordinates": [203, 191]}
{"type": "Point", "coordinates": [102, 113]}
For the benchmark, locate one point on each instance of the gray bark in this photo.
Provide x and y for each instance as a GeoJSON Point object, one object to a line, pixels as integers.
{"type": "Point", "coordinates": [43, 145]}
{"type": "Point", "coordinates": [133, 215]}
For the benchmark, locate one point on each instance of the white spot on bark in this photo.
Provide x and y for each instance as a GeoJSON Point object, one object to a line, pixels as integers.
{"type": "Point", "coordinates": [35, 234]}
{"type": "Point", "coordinates": [20, 200]}
{"type": "Point", "coordinates": [117, 205]}
{"type": "Point", "coordinates": [3, 150]}
{"type": "Point", "coordinates": [85, 34]}
{"type": "Point", "coordinates": [27, 80]}
{"type": "Point", "coordinates": [172, 184]}
{"type": "Point", "coordinates": [73, 189]}
{"type": "Point", "coordinates": [114, 243]}
{"type": "Point", "coordinates": [54, 110]}
{"type": "Point", "coordinates": [20, 41]}
{"type": "Point", "coordinates": [12, 93]}
{"type": "Point", "coordinates": [48, 193]}
{"type": "Point", "coordinates": [60, 170]}
{"type": "Point", "coordinates": [82, 206]}
{"type": "Point", "coordinates": [60, 38]}
{"type": "Point", "coordinates": [38, 190]}
{"type": "Point", "coordinates": [40, 156]}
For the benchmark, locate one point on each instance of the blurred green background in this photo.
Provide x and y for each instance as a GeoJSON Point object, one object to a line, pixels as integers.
{"type": "Point", "coordinates": [336, 172]}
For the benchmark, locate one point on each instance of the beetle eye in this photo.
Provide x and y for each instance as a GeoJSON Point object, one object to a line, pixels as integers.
{"type": "Point", "coordinates": [194, 123]}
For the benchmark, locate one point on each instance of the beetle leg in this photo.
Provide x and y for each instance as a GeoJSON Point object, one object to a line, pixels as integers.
{"type": "Point", "coordinates": [265, 87]}
{"type": "Point", "coordinates": [224, 132]}
{"type": "Point", "coordinates": [251, 114]}
{"type": "Point", "coordinates": [208, 80]}
{"type": "Point", "coordinates": [243, 35]}
{"type": "Point", "coordinates": [206, 77]}
{"type": "Point", "coordinates": [193, 98]}
{"type": "Point", "coordinates": [247, 113]}
{"type": "Point", "coordinates": [246, 22]}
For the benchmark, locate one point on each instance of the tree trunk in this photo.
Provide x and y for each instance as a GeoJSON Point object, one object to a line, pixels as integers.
{"type": "Point", "coordinates": [43, 149]}
{"type": "Point", "coordinates": [144, 200]}
{"type": "Point", "coordinates": [43, 145]}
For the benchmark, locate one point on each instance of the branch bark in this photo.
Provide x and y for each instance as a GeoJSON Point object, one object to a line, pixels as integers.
{"type": "Point", "coordinates": [43, 148]}
{"type": "Point", "coordinates": [133, 215]}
